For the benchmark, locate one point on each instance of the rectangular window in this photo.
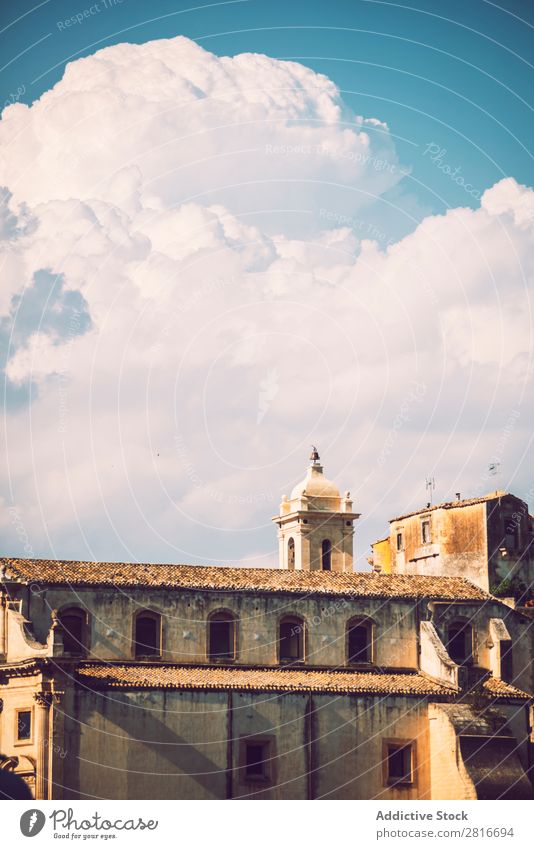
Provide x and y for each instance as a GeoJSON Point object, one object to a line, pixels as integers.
{"type": "Point", "coordinates": [425, 531]}
{"type": "Point", "coordinates": [399, 757]}
{"type": "Point", "coordinates": [24, 725]}
{"type": "Point", "coordinates": [511, 533]}
{"type": "Point", "coordinates": [360, 644]}
{"type": "Point", "coordinates": [399, 541]}
{"type": "Point", "coordinates": [256, 759]}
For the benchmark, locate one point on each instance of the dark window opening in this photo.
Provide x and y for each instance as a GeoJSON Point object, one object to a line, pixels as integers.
{"type": "Point", "coordinates": [291, 553]}
{"type": "Point", "coordinates": [399, 763]}
{"type": "Point", "coordinates": [256, 760]}
{"type": "Point", "coordinates": [360, 644]}
{"type": "Point", "coordinates": [24, 725]}
{"type": "Point", "coordinates": [425, 531]}
{"type": "Point", "coordinates": [506, 661]}
{"type": "Point", "coordinates": [511, 533]}
{"type": "Point", "coordinates": [326, 555]}
{"type": "Point", "coordinates": [399, 542]}
{"type": "Point", "coordinates": [460, 642]}
{"type": "Point", "coordinates": [147, 634]}
{"type": "Point", "coordinates": [221, 637]}
{"type": "Point", "coordinates": [73, 624]}
{"type": "Point", "coordinates": [291, 640]}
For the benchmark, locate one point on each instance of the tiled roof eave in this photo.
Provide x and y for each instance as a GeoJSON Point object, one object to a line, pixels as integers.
{"type": "Point", "coordinates": [102, 677]}
{"type": "Point", "coordinates": [241, 580]}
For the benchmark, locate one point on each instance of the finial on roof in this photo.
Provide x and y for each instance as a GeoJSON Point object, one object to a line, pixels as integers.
{"type": "Point", "coordinates": [314, 456]}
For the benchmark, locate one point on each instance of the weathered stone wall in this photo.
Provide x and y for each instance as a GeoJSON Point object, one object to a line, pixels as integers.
{"type": "Point", "coordinates": [479, 751]}
{"type": "Point", "coordinates": [457, 545]}
{"type": "Point", "coordinates": [186, 745]}
{"type": "Point", "coordinates": [508, 562]}
{"type": "Point", "coordinates": [480, 616]}
{"type": "Point", "coordinates": [351, 732]}
{"type": "Point", "coordinates": [19, 696]}
{"type": "Point", "coordinates": [467, 541]}
{"type": "Point", "coordinates": [185, 615]}
{"type": "Point", "coordinates": [448, 777]}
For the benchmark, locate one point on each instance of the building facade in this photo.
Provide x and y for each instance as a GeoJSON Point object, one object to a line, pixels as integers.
{"type": "Point", "coordinates": [309, 681]}
{"type": "Point", "coordinates": [488, 540]}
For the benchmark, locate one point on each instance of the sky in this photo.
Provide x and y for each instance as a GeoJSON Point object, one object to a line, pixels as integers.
{"type": "Point", "coordinates": [231, 231]}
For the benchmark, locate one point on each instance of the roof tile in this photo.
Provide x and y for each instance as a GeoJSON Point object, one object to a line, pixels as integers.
{"type": "Point", "coordinates": [449, 505]}
{"type": "Point", "coordinates": [498, 687]}
{"type": "Point", "coordinates": [163, 676]}
{"type": "Point", "coordinates": [227, 579]}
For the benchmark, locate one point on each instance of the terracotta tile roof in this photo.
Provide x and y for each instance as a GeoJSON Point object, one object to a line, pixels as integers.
{"type": "Point", "coordinates": [223, 578]}
{"type": "Point", "coordinates": [163, 676]}
{"type": "Point", "coordinates": [449, 505]}
{"type": "Point", "coordinates": [497, 687]}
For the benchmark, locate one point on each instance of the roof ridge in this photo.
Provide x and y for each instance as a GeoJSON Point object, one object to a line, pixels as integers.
{"type": "Point", "coordinates": [462, 502]}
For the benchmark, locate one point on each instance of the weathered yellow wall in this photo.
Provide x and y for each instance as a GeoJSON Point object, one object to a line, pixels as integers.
{"type": "Point", "coordinates": [382, 556]}
{"type": "Point", "coordinates": [350, 733]}
{"type": "Point", "coordinates": [457, 546]}
{"type": "Point", "coordinates": [19, 695]}
{"type": "Point", "coordinates": [448, 776]}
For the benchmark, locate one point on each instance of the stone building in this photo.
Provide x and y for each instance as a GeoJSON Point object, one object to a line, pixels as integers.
{"type": "Point", "coordinates": [303, 682]}
{"type": "Point", "coordinates": [488, 540]}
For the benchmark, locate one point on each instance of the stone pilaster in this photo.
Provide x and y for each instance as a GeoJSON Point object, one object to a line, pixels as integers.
{"type": "Point", "coordinates": [43, 702]}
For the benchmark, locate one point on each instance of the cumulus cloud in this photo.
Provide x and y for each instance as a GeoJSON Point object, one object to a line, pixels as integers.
{"type": "Point", "coordinates": [166, 123]}
{"type": "Point", "coordinates": [193, 295]}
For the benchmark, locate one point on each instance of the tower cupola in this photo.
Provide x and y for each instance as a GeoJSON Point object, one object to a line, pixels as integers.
{"type": "Point", "coordinates": [316, 524]}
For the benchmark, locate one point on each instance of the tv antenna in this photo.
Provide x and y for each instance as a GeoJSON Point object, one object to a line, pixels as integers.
{"type": "Point", "coordinates": [430, 485]}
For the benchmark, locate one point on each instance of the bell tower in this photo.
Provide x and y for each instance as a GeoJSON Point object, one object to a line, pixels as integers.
{"type": "Point", "coordinates": [316, 524]}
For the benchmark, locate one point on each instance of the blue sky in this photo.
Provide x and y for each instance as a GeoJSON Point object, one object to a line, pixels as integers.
{"type": "Point", "coordinates": [210, 263]}
{"type": "Point", "coordinates": [457, 75]}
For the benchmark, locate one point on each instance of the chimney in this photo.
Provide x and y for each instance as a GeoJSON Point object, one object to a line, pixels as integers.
{"type": "Point", "coordinates": [458, 496]}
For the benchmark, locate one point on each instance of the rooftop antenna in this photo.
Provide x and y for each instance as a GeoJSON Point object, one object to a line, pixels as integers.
{"type": "Point", "coordinates": [430, 485]}
{"type": "Point", "coordinates": [493, 471]}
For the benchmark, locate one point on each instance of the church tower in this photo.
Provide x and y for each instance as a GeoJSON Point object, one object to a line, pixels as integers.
{"type": "Point", "coordinates": [316, 524]}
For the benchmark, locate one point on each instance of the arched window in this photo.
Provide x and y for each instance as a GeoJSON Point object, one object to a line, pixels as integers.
{"type": "Point", "coordinates": [291, 639]}
{"type": "Point", "coordinates": [460, 642]}
{"type": "Point", "coordinates": [74, 622]}
{"type": "Point", "coordinates": [291, 553]}
{"type": "Point", "coordinates": [326, 555]}
{"type": "Point", "coordinates": [147, 634]}
{"type": "Point", "coordinates": [222, 633]}
{"type": "Point", "coordinates": [360, 641]}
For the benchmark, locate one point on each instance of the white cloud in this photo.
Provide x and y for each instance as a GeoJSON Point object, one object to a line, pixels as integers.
{"type": "Point", "coordinates": [165, 123]}
{"type": "Point", "coordinates": [226, 332]}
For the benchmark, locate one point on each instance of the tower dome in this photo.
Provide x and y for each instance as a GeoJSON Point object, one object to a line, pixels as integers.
{"type": "Point", "coordinates": [316, 524]}
{"type": "Point", "coordinates": [315, 484]}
